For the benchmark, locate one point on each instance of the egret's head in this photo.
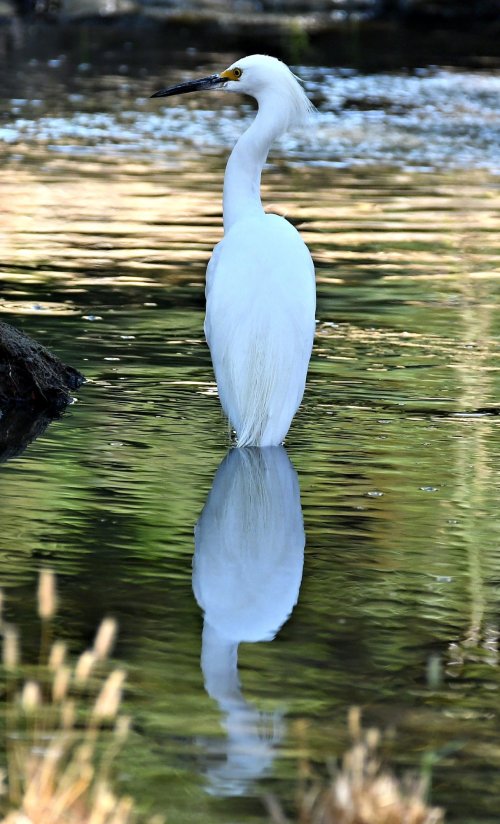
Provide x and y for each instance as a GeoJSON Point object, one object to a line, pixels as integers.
{"type": "Point", "coordinates": [260, 76]}
{"type": "Point", "coordinates": [251, 75]}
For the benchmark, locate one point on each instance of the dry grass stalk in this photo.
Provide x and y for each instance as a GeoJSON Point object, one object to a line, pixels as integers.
{"type": "Point", "coordinates": [31, 697]}
{"type": "Point", "coordinates": [110, 696]}
{"type": "Point", "coordinates": [58, 771]}
{"type": "Point", "coordinates": [84, 666]}
{"type": "Point", "coordinates": [362, 791]}
{"type": "Point", "coordinates": [47, 598]}
{"type": "Point", "coordinates": [57, 655]}
{"type": "Point", "coordinates": [105, 639]}
{"type": "Point", "coordinates": [10, 652]}
{"type": "Point", "coordinates": [60, 683]}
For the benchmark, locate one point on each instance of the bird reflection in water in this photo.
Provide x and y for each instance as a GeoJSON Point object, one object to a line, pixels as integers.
{"type": "Point", "coordinates": [247, 570]}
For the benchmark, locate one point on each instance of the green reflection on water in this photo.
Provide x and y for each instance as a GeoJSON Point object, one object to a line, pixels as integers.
{"type": "Point", "coordinates": [396, 448]}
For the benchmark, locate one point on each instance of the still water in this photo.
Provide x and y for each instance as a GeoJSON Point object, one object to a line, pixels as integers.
{"type": "Point", "coordinates": [361, 564]}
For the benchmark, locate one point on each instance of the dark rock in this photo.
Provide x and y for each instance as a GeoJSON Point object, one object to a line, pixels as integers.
{"type": "Point", "coordinates": [30, 374]}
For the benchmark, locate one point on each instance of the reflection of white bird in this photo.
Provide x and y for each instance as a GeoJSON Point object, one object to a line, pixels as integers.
{"type": "Point", "coordinates": [260, 281]}
{"type": "Point", "coordinates": [247, 569]}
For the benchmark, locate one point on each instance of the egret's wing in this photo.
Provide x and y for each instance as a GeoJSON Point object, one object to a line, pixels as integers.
{"type": "Point", "coordinates": [260, 322]}
{"type": "Point", "coordinates": [212, 267]}
{"type": "Point", "coordinates": [261, 266]}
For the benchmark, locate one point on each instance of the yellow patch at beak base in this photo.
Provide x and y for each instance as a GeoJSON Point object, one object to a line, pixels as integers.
{"type": "Point", "coordinates": [231, 74]}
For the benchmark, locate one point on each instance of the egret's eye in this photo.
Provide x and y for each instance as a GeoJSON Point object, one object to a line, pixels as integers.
{"type": "Point", "coordinates": [232, 74]}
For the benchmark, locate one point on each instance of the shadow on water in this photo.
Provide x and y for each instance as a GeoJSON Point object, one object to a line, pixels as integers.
{"type": "Point", "coordinates": [247, 570]}
{"type": "Point", "coordinates": [20, 426]}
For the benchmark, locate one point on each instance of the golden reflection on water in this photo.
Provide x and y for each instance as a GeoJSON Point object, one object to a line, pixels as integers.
{"type": "Point", "coordinates": [85, 223]}
{"type": "Point", "coordinates": [75, 223]}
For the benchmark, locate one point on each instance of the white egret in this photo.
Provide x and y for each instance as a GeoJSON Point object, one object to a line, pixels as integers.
{"type": "Point", "coordinates": [260, 288]}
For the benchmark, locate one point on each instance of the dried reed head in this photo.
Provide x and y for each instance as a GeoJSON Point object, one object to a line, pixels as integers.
{"type": "Point", "coordinates": [110, 696]}
{"type": "Point", "coordinates": [57, 655]}
{"type": "Point", "coordinates": [105, 639]}
{"type": "Point", "coordinates": [362, 791]}
{"type": "Point", "coordinates": [84, 666]}
{"type": "Point", "coordinates": [31, 697]}
{"type": "Point", "coordinates": [59, 757]}
{"type": "Point", "coordinates": [10, 650]}
{"type": "Point", "coordinates": [60, 684]}
{"type": "Point", "coordinates": [47, 597]}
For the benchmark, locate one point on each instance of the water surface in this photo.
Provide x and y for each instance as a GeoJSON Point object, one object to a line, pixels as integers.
{"type": "Point", "coordinates": [111, 206]}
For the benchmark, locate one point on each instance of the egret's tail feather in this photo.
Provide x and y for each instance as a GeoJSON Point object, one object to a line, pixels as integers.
{"type": "Point", "coordinates": [254, 396]}
{"type": "Point", "coordinates": [262, 393]}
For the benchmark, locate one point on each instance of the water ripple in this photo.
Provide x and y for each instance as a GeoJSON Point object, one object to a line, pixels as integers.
{"type": "Point", "coordinates": [430, 119]}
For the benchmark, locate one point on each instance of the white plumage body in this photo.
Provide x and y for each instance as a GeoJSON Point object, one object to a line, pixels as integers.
{"type": "Point", "coordinates": [260, 325]}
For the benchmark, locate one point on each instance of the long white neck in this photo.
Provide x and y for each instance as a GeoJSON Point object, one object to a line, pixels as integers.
{"type": "Point", "coordinates": [244, 167]}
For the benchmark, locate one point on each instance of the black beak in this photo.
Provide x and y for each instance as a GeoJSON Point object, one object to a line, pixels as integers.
{"type": "Point", "coordinates": [212, 82]}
